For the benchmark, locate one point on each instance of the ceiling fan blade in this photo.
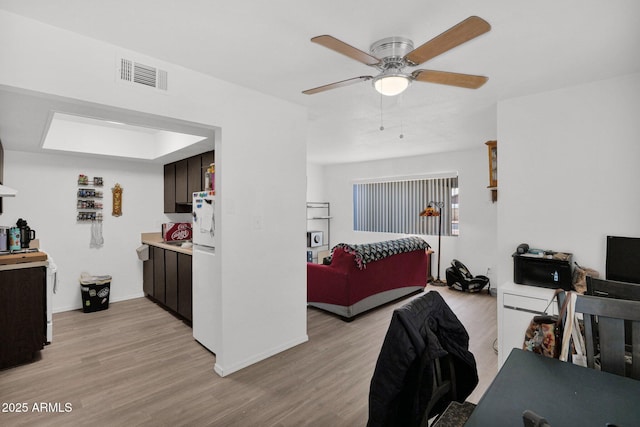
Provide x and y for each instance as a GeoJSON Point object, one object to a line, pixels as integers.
{"type": "Point", "coordinates": [345, 49]}
{"type": "Point", "coordinates": [464, 31]}
{"type": "Point", "coordinates": [468, 81]}
{"type": "Point", "coordinates": [337, 85]}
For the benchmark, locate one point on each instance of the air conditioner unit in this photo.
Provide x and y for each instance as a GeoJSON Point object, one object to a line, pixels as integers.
{"type": "Point", "coordinates": [140, 74]}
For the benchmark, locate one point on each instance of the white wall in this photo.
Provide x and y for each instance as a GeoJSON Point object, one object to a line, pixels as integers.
{"type": "Point", "coordinates": [568, 169]}
{"type": "Point", "coordinates": [47, 196]}
{"type": "Point", "coordinates": [315, 183]}
{"type": "Point", "coordinates": [260, 258]}
{"type": "Point", "coordinates": [476, 245]}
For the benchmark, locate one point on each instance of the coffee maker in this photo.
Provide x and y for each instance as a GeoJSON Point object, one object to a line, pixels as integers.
{"type": "Point", "coordinates": [26, 233]}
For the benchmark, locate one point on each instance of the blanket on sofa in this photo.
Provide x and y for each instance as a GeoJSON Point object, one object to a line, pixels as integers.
{"type": "Point", "coordinates": [368, 252]}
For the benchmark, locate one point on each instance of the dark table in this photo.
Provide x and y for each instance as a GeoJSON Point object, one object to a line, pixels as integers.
{"type": "Point", "coordinates": [563, 393]}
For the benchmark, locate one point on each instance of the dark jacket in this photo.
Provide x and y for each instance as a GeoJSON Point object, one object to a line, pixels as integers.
{"type": "Point", "coordinates": [421, 331]}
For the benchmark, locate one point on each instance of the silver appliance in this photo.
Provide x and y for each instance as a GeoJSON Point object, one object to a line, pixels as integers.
{"type": "Point", "coordinates": [205, 292]}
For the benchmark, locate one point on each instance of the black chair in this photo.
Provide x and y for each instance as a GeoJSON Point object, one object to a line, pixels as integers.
{"type": "Point", "coordinates": [444, 393]}
{"type": "Point", "coordinates": [424, 364]}
{"type": "Point", "coordinates": [609, 289]}
{"type": "Point", "coordinates": [444, 388]}
{"type": "Point", "coordinates": [612, 289]}
{"type": "Point", "coordinates": [604, 324]}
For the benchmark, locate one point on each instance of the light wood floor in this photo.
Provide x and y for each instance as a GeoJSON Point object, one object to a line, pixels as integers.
{"type": "Point", "coordinates": [136, 364]}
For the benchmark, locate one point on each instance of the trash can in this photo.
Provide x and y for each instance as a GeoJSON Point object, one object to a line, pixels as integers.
{"type": "Point", "coordinates": [95, 292]}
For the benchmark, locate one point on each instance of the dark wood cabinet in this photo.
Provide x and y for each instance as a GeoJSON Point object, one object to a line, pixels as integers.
{"type": "Point", "coordinates": [166, 278]}
{"type": "Point", "coordinates": [182, 179]}
{"type": "Point", "coordinates": [171, 279]}
{"type": "Point", "coordinates": [182, 182]}
{"type": "Point", "coordinates": [22, 314]}
{"type": "Point", "coordinates": [170, 187]}
{"type": "Point", "coordinates": [206, 159]}
{"type": "Point", "coordinates": [147, 274]}
{"type": "Point", "coordinates": [184, 286]}
{"type": "Point", "coordinates": [195, 175]}
{"type": "Point", "coordinates": [158, 274]}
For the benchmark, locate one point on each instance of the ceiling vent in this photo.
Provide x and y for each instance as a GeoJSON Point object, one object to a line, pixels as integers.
{"type": "Point", "coordinates": [135, 72]}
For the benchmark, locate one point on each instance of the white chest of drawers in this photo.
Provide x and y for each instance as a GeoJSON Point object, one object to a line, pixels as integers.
{"type": "Point", "coordinates": [517, 304]}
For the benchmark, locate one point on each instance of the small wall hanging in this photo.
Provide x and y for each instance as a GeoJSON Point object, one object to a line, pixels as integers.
{"type": "Point", "coordinates": [117, 200]}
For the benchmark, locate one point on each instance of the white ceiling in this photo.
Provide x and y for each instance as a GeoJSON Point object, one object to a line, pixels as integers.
{"type": "Point", "coordinates": [264, 45]}
{"type": "Point", "coordinates": [77, 134]}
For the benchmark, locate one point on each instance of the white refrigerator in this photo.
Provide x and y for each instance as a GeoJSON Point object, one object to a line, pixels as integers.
{"type": "Point", "coordinates": [205, 294]}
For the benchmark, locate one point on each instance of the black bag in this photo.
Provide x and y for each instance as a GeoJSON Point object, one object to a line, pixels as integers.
{"type": "Point", "coordinates": [459, 278]}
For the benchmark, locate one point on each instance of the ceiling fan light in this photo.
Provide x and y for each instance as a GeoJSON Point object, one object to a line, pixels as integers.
{"type": "Point", "coordinates": [391, 84]}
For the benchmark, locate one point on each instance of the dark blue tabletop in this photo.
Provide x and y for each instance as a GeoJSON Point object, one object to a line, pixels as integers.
{"type": "Point", "coordinates": [563, 393]}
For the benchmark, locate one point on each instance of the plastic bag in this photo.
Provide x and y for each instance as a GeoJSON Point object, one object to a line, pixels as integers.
{"type": "Point", "coordinates": [579, 280]}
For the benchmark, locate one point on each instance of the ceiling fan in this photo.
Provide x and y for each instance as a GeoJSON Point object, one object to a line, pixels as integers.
{"type": "Point", "coordinates": [392, 54]}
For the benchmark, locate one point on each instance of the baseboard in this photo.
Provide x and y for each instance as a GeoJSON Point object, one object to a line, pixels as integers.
{"type": "Point", "coordinates": [111, 300]}
{"type": "Point", "coordinates": [128, 297]}
{"type": "Point", "coordinates": [227, 370]}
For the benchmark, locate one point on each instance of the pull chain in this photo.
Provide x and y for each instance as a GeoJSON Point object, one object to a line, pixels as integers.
{"type": "Point", "coordinates": [381, 124]}
{"type": "Point", "coordinates": [400, 99]}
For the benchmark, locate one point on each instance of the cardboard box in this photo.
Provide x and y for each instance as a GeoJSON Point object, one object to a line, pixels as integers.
{"type": "Point", "coordinates": [176, 231]}
{"type": "Point", "coordinates": [322, 255]}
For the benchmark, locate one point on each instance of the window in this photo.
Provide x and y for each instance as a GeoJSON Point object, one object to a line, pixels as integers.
{"type": "Point", "coordinates": [455, 211]}
{"type": "Point", "coordinates": [395, 206]}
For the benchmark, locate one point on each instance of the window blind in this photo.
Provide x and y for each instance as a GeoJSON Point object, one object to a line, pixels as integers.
{"type": "Point", "coordinates": [395, 206]}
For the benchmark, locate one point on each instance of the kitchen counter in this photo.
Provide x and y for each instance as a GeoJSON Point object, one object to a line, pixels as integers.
{"type": "Point", "coordinates": [155, 239]}
{"type": "Point", "coordinates": [26, 260]}
{"type": "Point", "coordinates": [24, 265]}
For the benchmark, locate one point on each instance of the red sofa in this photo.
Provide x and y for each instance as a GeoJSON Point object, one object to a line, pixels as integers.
{"type": "Point", "coordinates": [361, 277]}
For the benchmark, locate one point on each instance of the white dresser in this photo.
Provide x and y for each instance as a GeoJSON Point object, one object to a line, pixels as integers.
{"type": "Point", "coordinates": [517, 304]}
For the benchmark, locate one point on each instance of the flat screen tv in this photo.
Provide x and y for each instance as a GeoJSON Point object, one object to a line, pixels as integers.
{"type": "Point", "coordinates": [623, 259]}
